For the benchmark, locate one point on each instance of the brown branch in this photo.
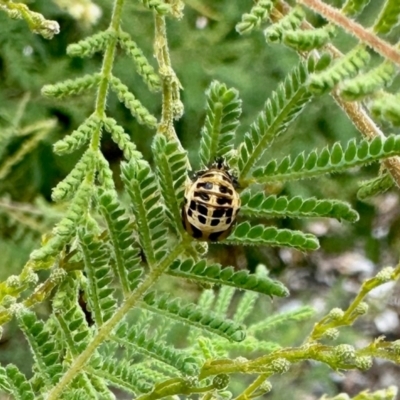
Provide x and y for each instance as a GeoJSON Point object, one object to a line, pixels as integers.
{"type": "Point", "coordinates": [335, 16]}
{"type": "Point", "coordinates": [354, 110]}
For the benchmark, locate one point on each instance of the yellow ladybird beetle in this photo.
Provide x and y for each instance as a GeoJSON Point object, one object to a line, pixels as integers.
{"type": "Point", "coordinates": [211, 203]}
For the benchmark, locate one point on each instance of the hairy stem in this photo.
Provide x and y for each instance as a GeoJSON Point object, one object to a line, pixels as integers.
{"type": "Point", "coordinates": [365, 36]}
{"type": "Point", "coordinates": [354, 110]}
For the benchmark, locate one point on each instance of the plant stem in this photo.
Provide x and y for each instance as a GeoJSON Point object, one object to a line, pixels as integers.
{"type": "Point", "coordinates": [365, 36]}
{"type": "Point", "coordinates": [76, 367]}
{"type": "Point", "coordinates": [354, 110]}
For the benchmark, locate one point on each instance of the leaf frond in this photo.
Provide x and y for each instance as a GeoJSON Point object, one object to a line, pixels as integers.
{"type": "Point", "coordinates": [137, 109]}
{"type": "Point", "coordinates": [386, 107]}
{"type": "Point", "coordinates": [100, 293]}
{"type": "Point", "coordinates": [191, 314]}
{"type": "Point", "coordinates": [44, 348]}
{"type": "Point", "coordinates": [222, 119]}
{"type": "Point", "coordinates": [143, 67]}
{"type": "Point", "coordinates": [253, 20]}
{"type": "Point", "coordinates": [291, 21]}
{"type": "Point", "coordinates": [246, 234]}
{"type": "Point", "coordinates": [149, 213]}
{"type": "Point", "coordinates": [344, 68]}
{"type": "Point", "coordinates": [375, 186]}
{"type": "Point", "coordinates": [262, 205]}
{"type": "Point", "coordinates": [71, 87]}
{"type": "Point", "coordinates": [14, 382]}
{"type": "Point", "coordinates": [280, 110]}
{"type": "Point", "coordinates": [78, 137]}
{"type": "Point", "coordinates": [389, 17]}
{"type": "Point", "coordinates": [329, 160]}
{"type": "Point", "coordinates": [124, 248]}
{"type": "Point", "coordinates": [171, 169]}
{"type": "Point", "coordinates": [367, 84]}
{"type": "Point", "coordinates": [90, 45]}
{"type": "Point", "coordinates": [216, 274]}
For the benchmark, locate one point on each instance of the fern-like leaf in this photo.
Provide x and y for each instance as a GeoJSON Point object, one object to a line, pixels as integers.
{"type": "Point", "coordinates": [66, 228]}
{"type": "Point", "coordinates": [191, 314]}
{"type": "Point", "coordinates": [272, 322]}
{"type": "Point", "coordinates": [329, 160]}
{"type": "Point", "coordinates": [257, 15]}
{"type": "Point", "coordinates": [282, 108]}
{"type": "Point", "coordinates": [142, 342]}
{"type": "Point", "coordinates": [291, 21]}
{"type": "Point", "coordinates": [386, 107]}
{"type": "Point", "coordinates": [143, 67]}
{"type": "Point", "coordinates": [121, 138]}
{"type": "Point", "coordinates": [44, 348]}
{"type": "Point", "coordinates": [126, 251]}
{"type": "Point", "coordinates": [137, 109]}
{"type": "Point", "coordinates": [307, 40]}
{"type": "Point", "coordinates": [100, 294]}
{"type": "Point", "coordinates": [77, 138]}
{"type": "Point", "coordinates": [124, 375]}
{"type": "Point", "coordinates": [375, 186]}
{"type": "Point", "coordinates": [68, 187]}
{"type": "Point", "coordinates": [389, 17]}
{"type": "Point", "coordinates": [343, 68]}
{"type": "Point", "coordinates": [90, 45]}
{"type": "Point", "coordinates": [172, 175]}
{"type": "Point", "coordinates": [354, 7]}
{"type": "Point", "coordinates": [372, 81]}
{"type": "Point", "coordinates": [261, 205]}
{"type": "Point", "coordinates": [216, 274]}
{"type": "Point", "coordinates": [245, 234]}
{"type": "Point", "coordinates": [14, 382]}
{"type": "Point", "coordinates": [142, 188]}
{"type": "Point", "coordinates": [222, 119]}
{"type": "Point", "coordinates": [71, 87]}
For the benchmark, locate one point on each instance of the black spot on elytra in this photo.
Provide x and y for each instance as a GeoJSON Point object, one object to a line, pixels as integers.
{"type": "Point", "coordinates": [205, 185]}
{"type": "Point", "coordinates": [202, 219]}
{"type": "Point", "coordinates": [203, 196]}
{"type": "Point", "coordinates": [228, 220]}
{"type": "Point", "coordinates": [223, 200]}
{"type": "Point", "coordinates": [229, 212]}
{"type": "Point", "coordinates": [196, 232]}
{"type": "Point", "coordinates": [190, 212]}
{"type": "Point", "coordinates": [192, 205]}
{"type": "Point", "coordinates": [224, 189]}
{"type": "Point", "coordinates": [215, 222]}
{"type": "Point", "coordinates": [219, 212]}
{"type": "Point", "coordinates": [202, 209]}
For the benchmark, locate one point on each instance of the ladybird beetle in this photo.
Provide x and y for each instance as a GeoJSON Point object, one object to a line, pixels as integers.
{"type": "Point", "coordinates": [211, 203]}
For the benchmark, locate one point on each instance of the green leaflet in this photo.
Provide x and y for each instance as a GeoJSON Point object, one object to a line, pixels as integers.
{"type": "Point", "coordinates": [100, 294]}
{"type": "Point", "coordinates": [217, 274]}
{"type": "Point", "coordinates": [245, 234]}
{"type": "Point", "coordinates": [124, 247]}
{"type": "Point", "coordinates": [280, 110]}
{"type": "Point", "coordinates": [90, 45]}
{"type": "Point", "coordinates": [172, 174]}
{"type": "Point", "coordinates": [191, 314]}
{"type": "Point", "coordinates": [143, 191]}
{"type": "Point", "coordinates": [389, 17]}
{"type": "Point", "coordinates": [259, 13]}
{"type": "Point", "coordinates": [45, 350]}
{"type": "Point", "coordinates": [14, 382]}
{"type": "Point", "coordinates": [329, 160]}
{"type": "Point", "coordinates": [222, 119]}
{"type": "Point", "coordinates": [260, 204]}
{"type": "Point", "coordinates": [346, 67]}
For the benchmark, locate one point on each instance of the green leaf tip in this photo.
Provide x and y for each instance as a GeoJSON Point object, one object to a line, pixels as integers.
{"type": "Point", "coordinates": [222, 119]}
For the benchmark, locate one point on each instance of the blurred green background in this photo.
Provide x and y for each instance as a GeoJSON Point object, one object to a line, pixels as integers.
{"type": "Point", "coordinates": [204, 46]}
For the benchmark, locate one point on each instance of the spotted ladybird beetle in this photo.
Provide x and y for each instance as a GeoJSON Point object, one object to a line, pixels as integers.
{"type": "Point", "coordinates": [211, 203]}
